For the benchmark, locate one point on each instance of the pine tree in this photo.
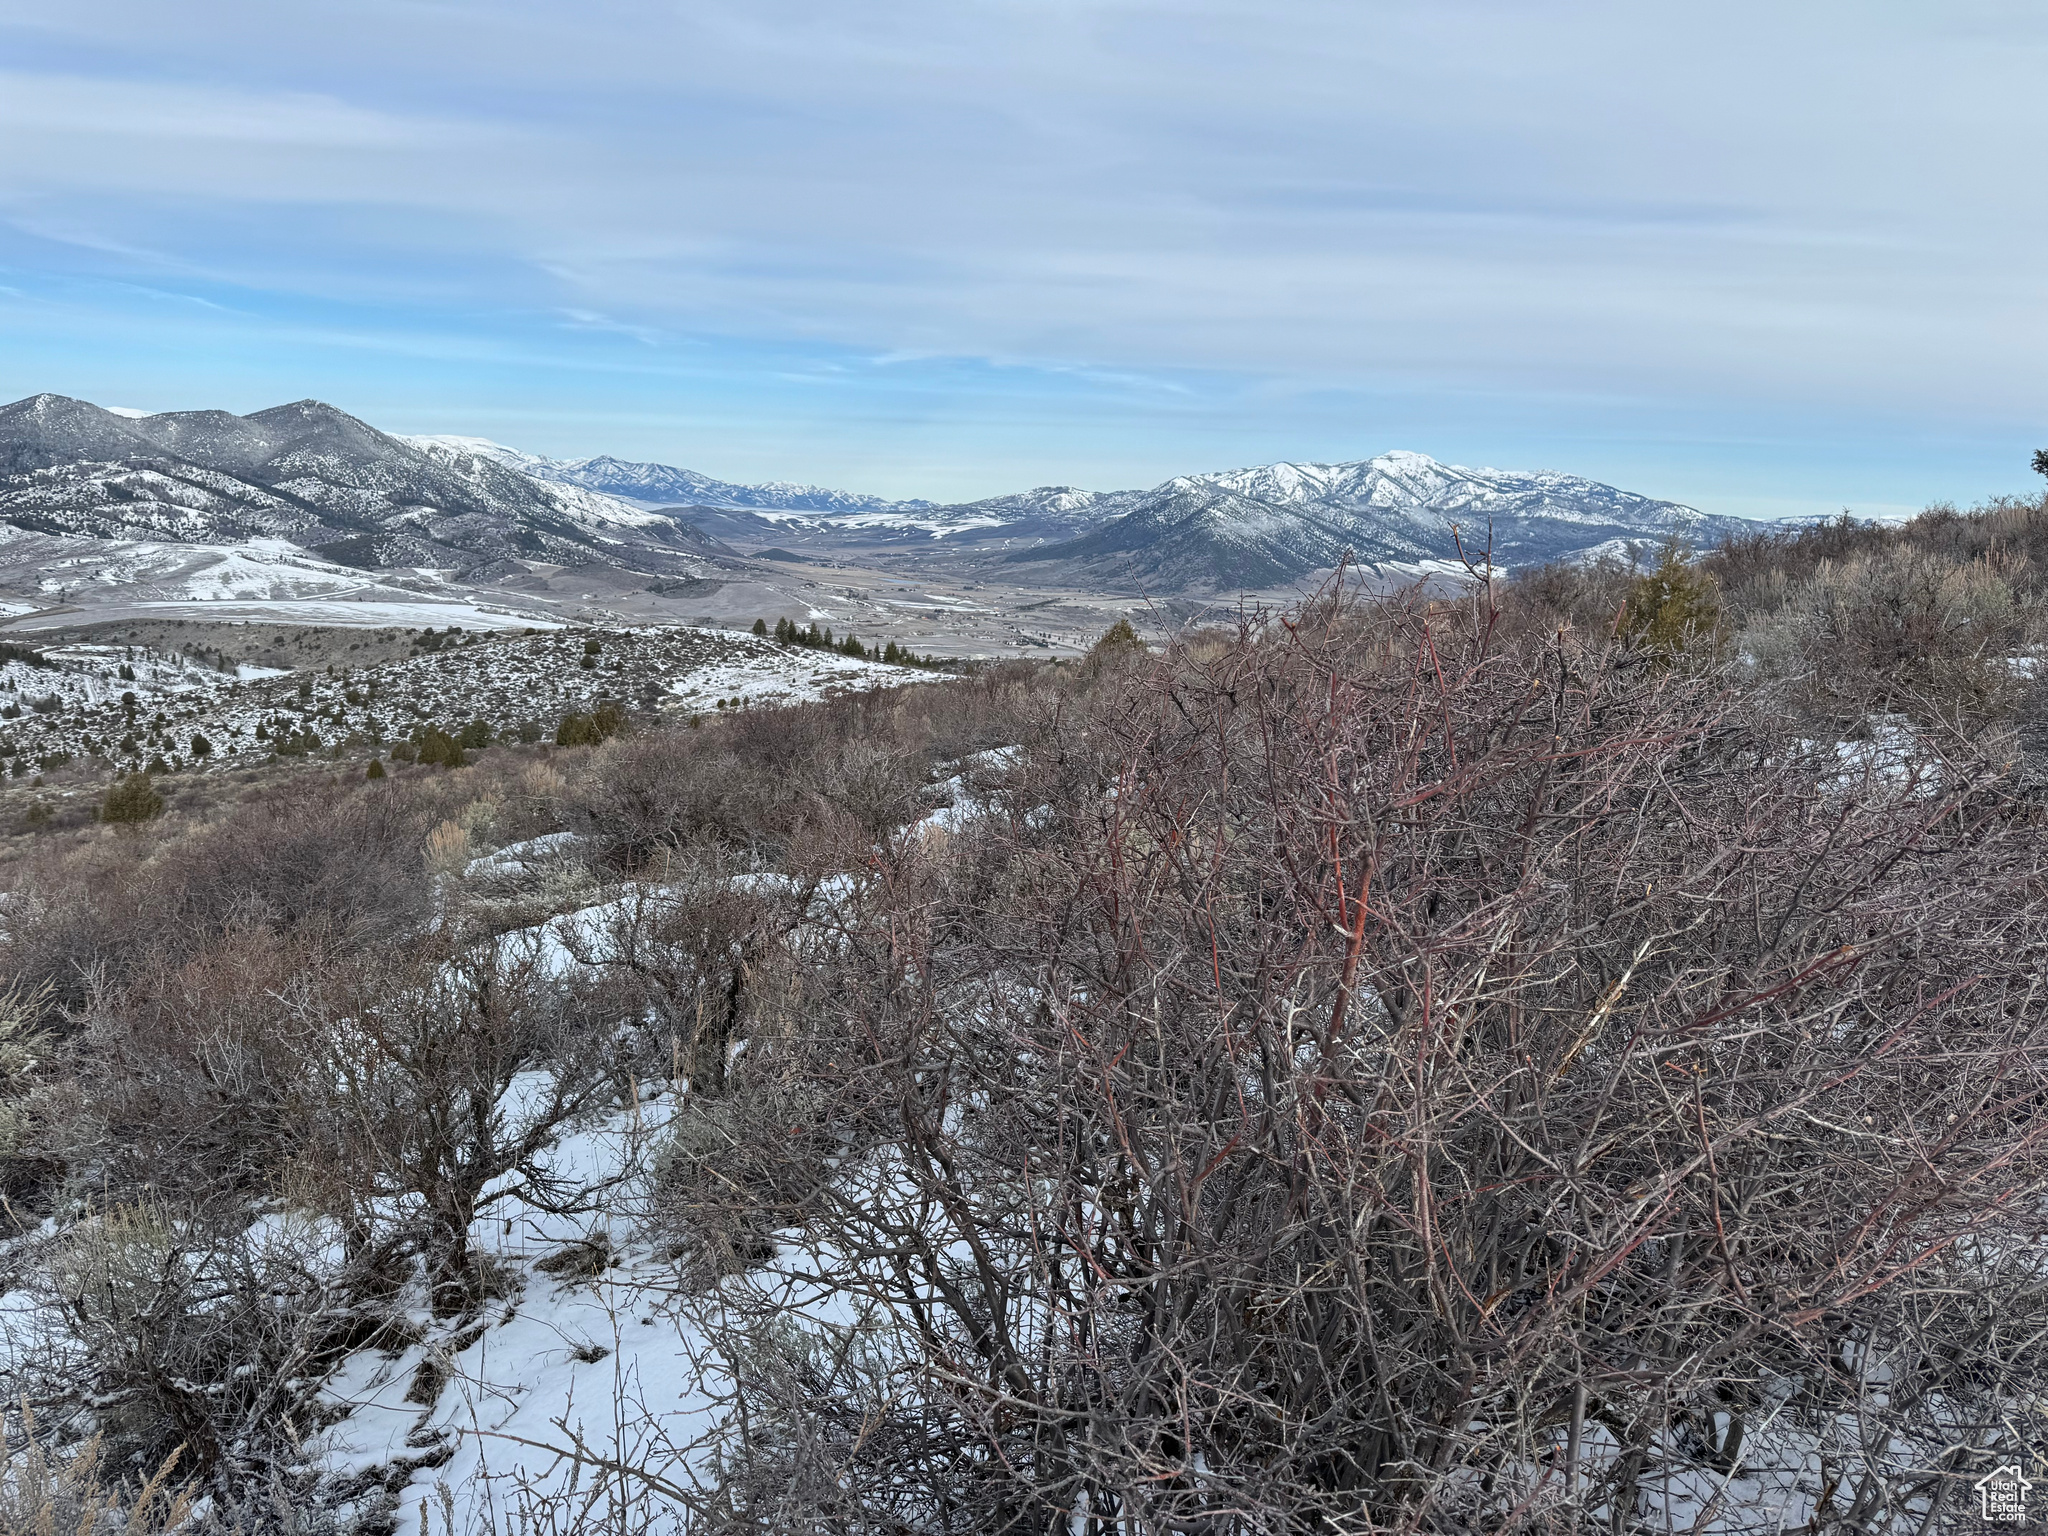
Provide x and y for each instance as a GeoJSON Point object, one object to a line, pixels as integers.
{"type": "Point", "coordinates": [375, 770]}
{"type": "Point", "coordinates": [201, 747]}
{"type": "Point", "coordinates": [761, 628]}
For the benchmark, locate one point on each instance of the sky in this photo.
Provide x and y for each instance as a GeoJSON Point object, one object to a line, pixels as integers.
{"type": "Point", "coordinates": [1767, 258]}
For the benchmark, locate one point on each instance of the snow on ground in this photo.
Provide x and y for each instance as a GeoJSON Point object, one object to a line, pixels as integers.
{"type": "Point", "coordinates": [524, 858]}
{"type": "Point", "coordinates": [785, 675]}
{"type": "Point", "coordinates": [265, 580]}
{"type": "Point", "coordinates": [587, 1344]}
{"type": "Point", "coordinates": [352, 612]}
{"type": "Point", "coordinates": [77, 708]}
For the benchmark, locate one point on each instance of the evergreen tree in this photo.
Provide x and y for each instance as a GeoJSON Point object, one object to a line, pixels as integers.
{"type": "Point", "coordinates": [201, 747]}
{"type": "Point", "coordinates": [131, 799]}
{"type": "Point", "coordinates": [1117, 642]}
{"type": "Point", "coordinates": [761, 628]}
{"type": "Point", "coordinates": [438, 747]}
{"type": "Point", "coordinates": [1673, 607]}
{"type": "Point", "coordinates": [375, 770]}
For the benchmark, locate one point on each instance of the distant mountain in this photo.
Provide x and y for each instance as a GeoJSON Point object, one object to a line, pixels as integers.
{"type": "Point", "coordinates": [327, 483]}
{"type": "Point", "coordinates": [1261, 526]}
{"type": "Point", "coordinates": [315, 476]}
{"type": "Point", "coordinates": [1198, 536]}
{"type": "Point", "coordinates": [1274, 523]}
{"type": "Point", "coordinates": [660, 486]}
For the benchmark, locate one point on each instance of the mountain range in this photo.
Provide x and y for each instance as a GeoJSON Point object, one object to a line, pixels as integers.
{"type": "Point", "coordinates": [651, 486]}
{"type": "Point", "coordinates": [1271, 524]}
{"type": "Point", "coordinates": [331, 484]}
{"type": "Point", "coordinates": [315, 476]}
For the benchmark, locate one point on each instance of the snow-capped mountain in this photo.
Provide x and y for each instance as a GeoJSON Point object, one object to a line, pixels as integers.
{"type": "Point", "coordinates": [1399, 495]}
{"type": "Point", "coordinates": [1258, 526]}
{"type": "Point", "coordinates": [310, 474]}
{"type": "Point", "coordinates": [342, 490]}
{"type": "Point", "coordinates": [1198, 536]}
{"type": "Point", "coordinates": [651, 486]}
{"type": "Point", "coordinates": [1272, 523]}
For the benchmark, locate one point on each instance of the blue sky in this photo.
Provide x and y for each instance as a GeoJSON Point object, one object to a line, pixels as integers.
{"type": "Point", "coordinates": [1766, 258]}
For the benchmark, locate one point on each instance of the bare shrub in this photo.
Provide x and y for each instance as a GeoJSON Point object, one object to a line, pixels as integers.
{"type": "Point", "coordinates": [1397, 1081]}
{"type": "Point", "coordinates": [452, 1078]}
{"type": "Point", "coordinates": [1899, 629]}
{"type": "Point", "coordinates": [53, 1491]}
{"type": "Point", "coordinates": [193, 1079]}
{"type": "Point", "coordinates": [192, 1334]}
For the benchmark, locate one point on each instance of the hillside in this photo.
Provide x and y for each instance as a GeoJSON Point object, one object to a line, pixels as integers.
{"type": "Point", "coordinates": [775, 1117]}
{"type": "Point", "coordinates": [1277, 523]}
{"type": "Point", "coordinates": [312, 475]}
{"type": "Point", "coordinates": [660, 486]}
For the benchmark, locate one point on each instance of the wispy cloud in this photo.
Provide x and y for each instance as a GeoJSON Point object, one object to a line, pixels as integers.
{"type": "Point", "coordinates": [127, 108]}
{"type": "Point", "coordinates": [591, 320]}
{"type": "Point", "coordinates": [1588, 234]}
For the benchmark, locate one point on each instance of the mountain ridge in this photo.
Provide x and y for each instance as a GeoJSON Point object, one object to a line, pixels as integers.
{"type": "Point", "coordinates": [1272, 523]}
{"type": "Point", "coordinates": [653, 486]}
{"type": "Point", "coordinates": [342, 489]}
{"type": "Point", "coordinates": [310, 473]}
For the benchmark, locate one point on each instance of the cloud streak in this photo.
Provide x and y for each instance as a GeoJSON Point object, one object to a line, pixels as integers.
{"type": "Point", "coordinates": [1598, 236]}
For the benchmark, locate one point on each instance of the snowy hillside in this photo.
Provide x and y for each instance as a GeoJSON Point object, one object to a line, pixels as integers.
{"type": "Point", "coordinates": [1260, 526]}
{"type": "Point", "coordinates": [1275, 523]}
{"type": "Point", "coordinates": [132, 707]}
{"type": "Point", "coordinates": [664, 485]}
{"type": "Point", "coordinates": [310, 474]}
{"type": "Point", "coordinates": [1413, 489]}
